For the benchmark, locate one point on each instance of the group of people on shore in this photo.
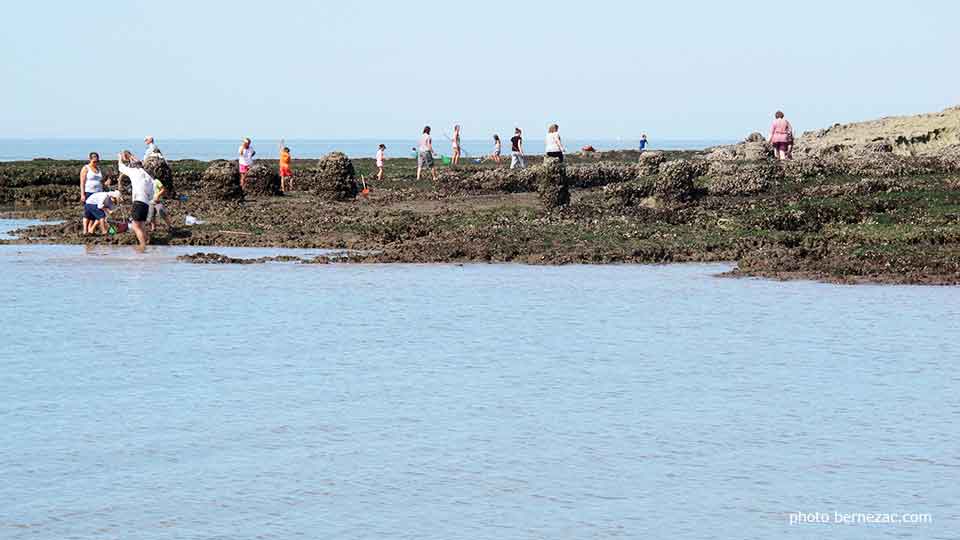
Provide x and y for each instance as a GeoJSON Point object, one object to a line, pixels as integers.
{"type": "Point", "coordinates": [425, 151]}
{"type": "Point", "coordinates": [146, 191]}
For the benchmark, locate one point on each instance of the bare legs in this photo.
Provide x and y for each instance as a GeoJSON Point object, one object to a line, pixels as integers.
{"type": "Point", "coordinates": [143, 237]}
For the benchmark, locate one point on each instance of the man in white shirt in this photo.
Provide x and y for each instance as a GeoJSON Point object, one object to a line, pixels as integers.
{"type": "Point", "coordinates": [141, 185]}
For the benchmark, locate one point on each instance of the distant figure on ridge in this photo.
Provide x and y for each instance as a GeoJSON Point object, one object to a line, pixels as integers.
{"type": "Point", "coordinates": [381, 155]}
{"type": "Point", "coordinates": [516, 150]}
{"type": "Point", "coordinates": [141, 185]}
{"type": "Point", "coordinates": [425, 154]}
{"type": "Point", "coordinates": [555, 147]}
{"type": "Point", "coordinates": [286, 172]}
{"type": "Point", "coordinates": [152, 149]}
{"type": "Point", "coordinates": [245, 160]}
{"type": "Point", "coordinates": [455, 145]}
{"type": "Point", "coordinates": [781, 136]}
{"type": "Point", "coordinates": [643, 142]}
{"type": "Point", "coordinates": [497, 148]}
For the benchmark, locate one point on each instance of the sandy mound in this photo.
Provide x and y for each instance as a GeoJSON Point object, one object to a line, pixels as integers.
{"type": "Point", "coordinates": [649, 163]}
{"type": "Point", "coordinates": [754, 148]}
{"type": "Point", "coordinates": [263, 180]}
{"type": "Point", "coordinates": [334, 178]}
{"type": "Point", "coordinates": [921, 135]}
{"type": "Point", "coordinates": [552, 184]}
{"type": "Point", "coordinates": [600, 174]}
{"type": "Point", "coordinates": [742, 178]}
{"type": "Point", "coordinates": [221, 181]}
{"type": "Point", "coordinates": [675, 180]}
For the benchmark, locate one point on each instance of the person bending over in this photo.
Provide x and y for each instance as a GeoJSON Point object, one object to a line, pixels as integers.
{"type": "Point", "coordinates": [96, 209]}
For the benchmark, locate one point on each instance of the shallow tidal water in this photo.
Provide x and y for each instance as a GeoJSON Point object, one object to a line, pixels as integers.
{"type": "Point", "coordinates": [145, 398]}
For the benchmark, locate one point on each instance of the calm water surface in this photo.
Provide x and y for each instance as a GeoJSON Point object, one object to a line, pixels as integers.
{"type": "Point", "coordinates": [145, 398]}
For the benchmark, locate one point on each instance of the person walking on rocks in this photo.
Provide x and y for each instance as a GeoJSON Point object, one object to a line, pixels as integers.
{"type": "Point", "coordinates": [425, 154]}
{"type": "Point", "coordinates": [455, 145]}
{"type": "Point", "coordinates": [245, 160]}
{"type": "Point", "coordinates": [781, 136]}
{"type": "Point", "coordinates": [141, 186]}
{"type": "Point", "coordinates": [643, 142]}
{"type": "Point", "coordinates": [381, 154]}
{"type": "Point", "coordinates": [555, 147]}
{"type": "Point", "coordinates": [516, 150]}
{"type": "Point", "coordinates": [152, 149]}
{"type": "Point", "coordinates": [286, 173]}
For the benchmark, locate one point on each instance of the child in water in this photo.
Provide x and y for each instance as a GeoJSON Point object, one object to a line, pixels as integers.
{"type": "Point", "coordinates": [380, 156]}
{"type": "Point", "coordinates": [286, 173]}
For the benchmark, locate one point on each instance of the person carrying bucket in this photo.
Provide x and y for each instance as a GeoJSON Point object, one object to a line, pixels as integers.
{"type": "Point", "coordinates": [425, 154]}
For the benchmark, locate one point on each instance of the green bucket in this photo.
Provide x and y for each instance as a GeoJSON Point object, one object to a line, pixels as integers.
{"type": "Point", "coordinates": [445, 160]}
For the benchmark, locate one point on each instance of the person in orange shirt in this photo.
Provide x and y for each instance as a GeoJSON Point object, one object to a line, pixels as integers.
{"type": "Point", "coordinates": [286, 173]}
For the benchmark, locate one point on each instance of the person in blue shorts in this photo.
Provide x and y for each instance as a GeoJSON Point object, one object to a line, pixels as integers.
{"type": "Point", "coordinates": [96, 209]}
{"type": "Point", "coordinates": [643, 142]}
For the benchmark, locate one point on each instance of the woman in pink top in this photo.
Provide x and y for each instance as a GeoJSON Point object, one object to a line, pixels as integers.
{"type": "Point", "coordinates": [781, 136]}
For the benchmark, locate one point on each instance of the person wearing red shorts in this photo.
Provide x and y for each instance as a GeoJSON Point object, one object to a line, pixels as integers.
{"type": "Point", "coordinates": [245, 160]}
{"type": "Point", "coordinates": [286, 173]}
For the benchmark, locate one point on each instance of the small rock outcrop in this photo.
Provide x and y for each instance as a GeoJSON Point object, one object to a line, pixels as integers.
{"type": "Point", "coordinates": [742, 178]}
{"type": "Point", "coordinates": [335, 178]}
{"type": "Point", "coordinates": [221, 181]}
{"type": "Point", "coordinates": [262, 180]}
{"type": "Point", "coordinates": [649, 163]}
{"type": "Point", "coordinates": [552, 184]}
{"type": "Point", "coordinates": [674, 181]}
{"type": "Point", "coordinates": [159, 169]}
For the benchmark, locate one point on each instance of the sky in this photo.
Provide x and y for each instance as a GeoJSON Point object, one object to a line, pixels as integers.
{"type": "Point", "coordinates": [676, 69]}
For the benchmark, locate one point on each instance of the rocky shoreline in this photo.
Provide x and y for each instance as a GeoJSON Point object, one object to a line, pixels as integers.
{"type": "Point", "coordinates": [858, 214]}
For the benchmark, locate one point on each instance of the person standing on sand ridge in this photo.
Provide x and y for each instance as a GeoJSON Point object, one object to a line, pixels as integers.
{"type": "Point", "coordinates": [245, 160]}
{"type": "Point", "coordinates": [152, 149]}
{"type": "Point", "coordinates": [455, 145]}
{"type": "Point", "coordinates": [286, 172]}
{"type": "Point", "coordinates": [516, 150]}
{"type": "Point", "coordinates": [781, 136]}
{"type": "Point", "coordinates": [554, 145]}
{"type": "Point", "coordinates": [425, 154]}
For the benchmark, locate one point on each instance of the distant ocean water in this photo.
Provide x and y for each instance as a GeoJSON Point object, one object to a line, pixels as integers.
{"type": "Point", "coordinates": [210, 149]}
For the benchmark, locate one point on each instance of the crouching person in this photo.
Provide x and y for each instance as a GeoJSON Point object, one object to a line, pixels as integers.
{"type": "Point", "coordinates": [96, 209]}
{"type": "Point", "coordinates": [141, 187]}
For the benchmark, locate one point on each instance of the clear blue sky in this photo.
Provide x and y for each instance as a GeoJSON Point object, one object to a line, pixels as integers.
{"type": "Point", "coordinates": [606, 69]}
